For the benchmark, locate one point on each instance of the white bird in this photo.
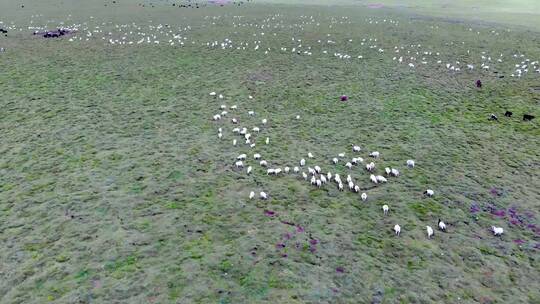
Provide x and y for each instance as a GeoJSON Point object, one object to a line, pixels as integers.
{"type": "Point", "coordinates": [442, 225]}
{"type": "Point", "coordinates": [248, 170]}
{"type": "Point", "coordinates": [251, 195]}
{"type": "Point", "coordinates": [310, 155]}
{"type": "Point", "coordinates": [385, 209]}
{"type": "Point", "coordinates": [497, 230]}
{"type": "Point", "coordinates": [263, 195]}
{"type": "Point", "coordinates": [263, 163]}
{"type": "Point", "coordinates": [374, 154]}
{"type": "Point", "coordinates": [410, 163]}
{"type": "Point", "coordinates": [302, 162]}
{"type": "Point", "coordinates": [381, 179]}
{"type": "Point", "coordinates": [364, 196]}
{"type": "Point", "coordinates": [373, 179]}
{"type": "Point", "coordinates": [397, 229]}
{"type": "Point", "coordinates": [429, 231]}
{"type": "Point", "coordinates": [429, 192]}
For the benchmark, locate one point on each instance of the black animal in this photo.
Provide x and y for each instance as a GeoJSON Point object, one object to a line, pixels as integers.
{"type": "Point", "coordinates": [508, 114]}
{"type": "Point", "coordinates": [478, 83]}
{"type": "Point", "coordinates": [528, 117]}
{"type": "Point", "coordinates": [3, 31]}
{"type": "Point", "coordinates": [493, 117]}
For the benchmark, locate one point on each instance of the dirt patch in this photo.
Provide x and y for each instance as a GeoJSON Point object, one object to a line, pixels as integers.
{"type": "Point", "coordinates": [260, 76]}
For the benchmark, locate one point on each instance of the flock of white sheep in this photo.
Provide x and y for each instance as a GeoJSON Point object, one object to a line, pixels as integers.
{"type": "Point", "coordinates": [307, 169]}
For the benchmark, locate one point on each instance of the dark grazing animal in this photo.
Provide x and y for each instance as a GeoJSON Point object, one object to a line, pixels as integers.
{"type": "Point", "coordinates": [478, 83]}
{"type": "Point", "coordinates": [508, 114]}
{"type": "Point", "coordinates": [528, 117]}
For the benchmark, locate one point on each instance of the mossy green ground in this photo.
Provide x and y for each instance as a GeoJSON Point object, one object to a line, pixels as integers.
{"type": "Point", "coordinates": [115, 189]}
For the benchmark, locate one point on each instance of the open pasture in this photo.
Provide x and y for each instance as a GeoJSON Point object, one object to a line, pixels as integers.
{"type": "Point", "coordinates": [124, 155]}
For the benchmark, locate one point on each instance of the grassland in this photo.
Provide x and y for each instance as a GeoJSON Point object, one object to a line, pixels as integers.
{"type": "Point", "coordinates": [115, 189]}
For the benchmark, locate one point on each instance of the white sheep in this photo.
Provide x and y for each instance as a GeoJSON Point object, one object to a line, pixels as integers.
{"type": "Point", "coordinates": [385, 209]}
{"type": "Point", "coordinates": [410, 163]}
{"type": "Point", "coordinates": [310, 155]}
{"type": "Point", "coordinates": [304, 175]}
{"type": "Point", "coordinates": [373, 179]}
{"type": "Point", "coordinates": [387, 170]}
{"type": "Point", "coordinates": [442, 225]}
{"type": "Point", "coordinates": [497, 230]}
{"type": "Point", "coordinates": [239, 164]}
{"type": "Point", "coordinates": [349, 179]}
{"type": "Point", "coordinates": [342, 155]}
{"type": "Point", "coordinates": [323, 179]}
{"type": "Point", "coordinates": [251, 195]}
{"type": "Point", "coordinates": [364, 196]}
{"type": "Point", "coordinates": [394, 172]}
{"type": "Point", "coordinates": [329, 176]}
{"type": "Point", "coordinates": [248, 170]}
{"type": "Point", "coordinates": [351, 185]}
{"type": "Point", "coordinates": [236, 130]}
{"type": "Point", "coordinates": [311, 171]}
{"type": "Point", "coordinates": [296, 169]}
{"type": "Point", "coordinates": [375, 154]}
{"type": "Point", "coordinates": [340, 186]}
{"type": "Point", "coordinates": [397, 229]}
{"type": "Point", "coordinates": [267, 141]}
{"type": "Point", "coordinates": [335, 160]}
{"type": "Point", "coordinates": [381, 179]}
{"type": "Point", "coordinates": [256, 129]}
{"type": "Point", "coordinates": [429, 231]}
{"type": "Point", "coordinates": [241, 157]}
{"type": "Point", "coordinates": [317, 169]}
{"type": "Point", "coordinates": [313, 180]}
{"type": "Point", "coordinates": [356, 188]}
{"type": "Point", "coordinates": [302, 162]}
{"type": "Point", "coordinates": [319, 183]}
{"type": "Point", "coordinates": [263, 195]}
{"type": "Point", "coordinates": [263, 163]}
{"type": "Point", "coordinates": [264, 121]}
{"type": "Point", "coordinates": [257, 156]}
{"type": "Point", "coordinates": [286, 169]}
{"type": "Point", "coordinates": [370, 167]}
{"type": "Point", "coordinates": [220, 135]}
{"type": "Point", "coordinates": [217, 117]}
{"type": "Point", "coordinates": [251, 113]}
{"type": "Point", "coordinates": [234, 107]}
{"type": "Point", "coordinates": [429, 192]}
{"type": "Point", "coordinates": [356, 148]}
{"type": "Point", "coordinates": [234, 120]}
{"type": "Point", "coordinates": [348, 165]}
{"type": "Point", "coordinates": [270, 171]}
{"type": "Point", "coordinates": [234, 142]}
{"type": "Point", "coordinates": [243, 131]}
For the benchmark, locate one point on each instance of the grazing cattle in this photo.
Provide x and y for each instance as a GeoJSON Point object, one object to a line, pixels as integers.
{"type": "Point", "coordinates": [508, 114]}
{"type": "Point", "coordinates": [527, 117]}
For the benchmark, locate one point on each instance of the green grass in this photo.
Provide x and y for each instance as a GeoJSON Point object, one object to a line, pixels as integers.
{"type": "Point", "coordinates": [115, 189]}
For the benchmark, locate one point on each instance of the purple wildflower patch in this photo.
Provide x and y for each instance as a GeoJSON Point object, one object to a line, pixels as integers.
{"type": "Point", "coordinates": [340, 269]}
{"type": "Point", "coordinates": [269, 213]}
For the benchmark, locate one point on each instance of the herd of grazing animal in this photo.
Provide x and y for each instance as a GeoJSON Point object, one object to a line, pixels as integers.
{"type": "Point", "coordinates": [314, 173]}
